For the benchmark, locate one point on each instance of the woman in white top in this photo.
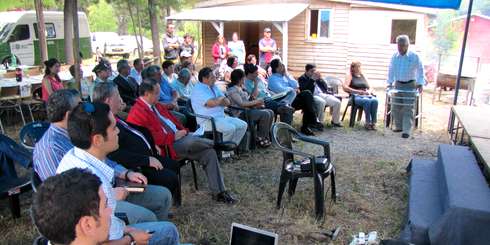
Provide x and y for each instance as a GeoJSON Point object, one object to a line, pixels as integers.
{"type": "Point", "coordinates": [237, 47]}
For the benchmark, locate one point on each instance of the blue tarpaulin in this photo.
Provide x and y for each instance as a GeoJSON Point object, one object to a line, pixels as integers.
{"type": "Point", "coordinates": [449, 4]}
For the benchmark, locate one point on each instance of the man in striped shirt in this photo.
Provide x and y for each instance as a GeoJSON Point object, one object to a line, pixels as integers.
{"type": "Point", "coordinates": [55, 142]}
{"type": "Point", "coordinates": [406, 73]}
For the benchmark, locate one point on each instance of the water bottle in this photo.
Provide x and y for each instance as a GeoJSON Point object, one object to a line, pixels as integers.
{"type": "Point", "coordinates": [18, 74]}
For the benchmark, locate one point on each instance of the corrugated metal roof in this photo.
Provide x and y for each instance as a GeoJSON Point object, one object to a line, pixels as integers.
{"type": "Point", "coordinates": [256, 12]}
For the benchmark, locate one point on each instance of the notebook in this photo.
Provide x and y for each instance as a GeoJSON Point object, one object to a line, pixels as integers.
{"type": "Point", "coordinates": [246, 235]}
{"type": "Point", "coordinates": [130, 186]}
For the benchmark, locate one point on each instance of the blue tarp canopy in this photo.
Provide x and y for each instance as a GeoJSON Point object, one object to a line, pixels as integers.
{"type": "Point", "coordinates": [447, 4]}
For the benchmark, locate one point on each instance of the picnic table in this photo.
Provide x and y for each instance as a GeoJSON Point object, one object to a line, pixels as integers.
{"type": "Point", "coordinates": [474, 123]}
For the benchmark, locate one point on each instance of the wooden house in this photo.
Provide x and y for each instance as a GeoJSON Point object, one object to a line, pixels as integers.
{"type": "Point", "coordinates": [329, 33]}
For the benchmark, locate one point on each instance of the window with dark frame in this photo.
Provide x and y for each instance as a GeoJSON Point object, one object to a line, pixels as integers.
{"type": "Point", "coordinates": [403, 27]}
{"type": "Point", "coordinates": [50, 30]}
{"type": "Point", "coordinates": [319, 23]}
{"type": "Point", "coordinates": [21, 32]}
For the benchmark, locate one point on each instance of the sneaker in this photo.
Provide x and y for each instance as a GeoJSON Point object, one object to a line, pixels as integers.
{"type": "Point", "coordinates": [225, 197]}
{"type": "Point", "coordinates": [336, 125]}
{"type": "Point", "coordinates": [318, 126]}
{"type": "Point", "coordinates": [405, 136]}
{"type": "Point", "coordinates": [397, 130]}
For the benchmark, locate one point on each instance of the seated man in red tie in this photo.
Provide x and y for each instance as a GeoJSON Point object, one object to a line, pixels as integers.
{"type": "Point", "coordinates": [174, 141]}
{"type": "Point", "coordinates": [136, 147]}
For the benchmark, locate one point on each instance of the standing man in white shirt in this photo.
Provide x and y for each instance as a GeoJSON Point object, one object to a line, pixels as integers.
{"type": "Point", "coordinates": [406, 73]}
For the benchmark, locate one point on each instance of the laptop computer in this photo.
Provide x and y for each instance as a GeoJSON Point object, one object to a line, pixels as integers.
{"type": "Point", "coordinates": [246, 235]}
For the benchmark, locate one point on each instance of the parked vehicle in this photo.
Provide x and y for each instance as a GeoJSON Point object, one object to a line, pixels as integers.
{"type": "Point", "coordinates": [110, 43]}
{"type": "Point", "coordinates": [131, 42]}
{"type": "Point", "coordinates": [19, 36]}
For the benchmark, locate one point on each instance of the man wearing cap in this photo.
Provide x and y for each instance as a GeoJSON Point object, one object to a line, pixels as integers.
{"type": "Point", "coordinates": [127, 86]}
{"type": "Point", "coordinates": [171, 44]}
{"type": "Point", "coordinates": [102, 73]}
{"type": "Point", "coordinates": [267, 47]}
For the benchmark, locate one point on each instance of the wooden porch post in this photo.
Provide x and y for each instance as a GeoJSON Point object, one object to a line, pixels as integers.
{"type": "Point", "coordinates": [285, 44]}
{"type": "Point", "coordinates": [219, 27]}
{"type": "Point", "coordinates": [283, 29]}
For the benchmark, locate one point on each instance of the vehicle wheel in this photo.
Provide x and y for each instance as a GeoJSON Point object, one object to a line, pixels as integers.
{"type": "Point", "coordinates": [126, 56]}
{"type": "Point", "coordinates": [8, 60]}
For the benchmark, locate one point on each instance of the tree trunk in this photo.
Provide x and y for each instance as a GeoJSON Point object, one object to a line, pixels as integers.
{"type": "Point", "coordinates": [41, 30]}
{"type": "Point", "coordinates": [140, 30]}
{"type": "Point", "coordinates": [68, 28]}
{"type": "Point", "coordinates": [140, 48]}
{"type": "Point", "coordinates": [76, 43]}
{"type": "Point", "coordinates": [155, 36]}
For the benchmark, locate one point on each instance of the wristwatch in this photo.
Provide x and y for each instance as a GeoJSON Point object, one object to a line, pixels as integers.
{"type": "Point", "coordinates": [133, 242]}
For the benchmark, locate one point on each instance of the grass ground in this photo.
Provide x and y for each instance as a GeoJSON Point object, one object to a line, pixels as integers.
{"type": "Point", "coordinates": [371, 186]}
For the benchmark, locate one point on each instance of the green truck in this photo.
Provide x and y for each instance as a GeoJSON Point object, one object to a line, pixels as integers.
{"type": "Point", "coordinates": [19, 36]}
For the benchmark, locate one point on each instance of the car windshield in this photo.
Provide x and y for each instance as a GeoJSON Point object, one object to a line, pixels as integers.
{"type": "Point", "coordinates": [5, 28]}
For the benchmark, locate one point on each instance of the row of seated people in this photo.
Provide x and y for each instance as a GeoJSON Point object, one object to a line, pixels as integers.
{"type": "Point", "coordinates": [147, 146]}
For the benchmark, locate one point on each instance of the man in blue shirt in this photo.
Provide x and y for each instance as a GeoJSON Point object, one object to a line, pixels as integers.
{"type": "Point", "coordinates": [281, 82]}
{"type": "Point", "coordinates": [93, 132]}
{"type": "Point", "coordinates": [257, 89]}
{"type": "Point", "coordinates": [55, 143]}
{"type": "Point", "coordinates": [406, 73]}
{"type": "Point", "coordinates": [208, 100]}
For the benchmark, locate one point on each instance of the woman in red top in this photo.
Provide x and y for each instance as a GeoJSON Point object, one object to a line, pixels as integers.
{"type": "Point", "coordinates": [51, 81]}
{"type": "Point", "coordinates": [220, 50]}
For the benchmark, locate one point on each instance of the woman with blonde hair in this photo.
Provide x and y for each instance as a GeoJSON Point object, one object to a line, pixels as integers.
{"type": "Point", "coordinates": [357, 85]}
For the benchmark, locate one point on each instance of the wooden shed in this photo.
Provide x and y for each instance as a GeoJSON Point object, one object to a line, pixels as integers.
{"type": "Point", "coordinates": [329, 33]}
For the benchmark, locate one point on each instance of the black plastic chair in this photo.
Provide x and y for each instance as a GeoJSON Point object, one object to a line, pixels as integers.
{"type": "Point", "coordinates": [356, 110]}
{"type": "Point", "coordinates": [12, 185]}
{"type": "Point", "coordinates": [251, 125]}
{"type": "Point", "coordinates": [293, 169]}
{"type": "Point", "coordinates": [31, 133]}
{"type": "Point", "coordinates": [35, 180]}
{"type": "Point", "coordinates": [214, 134]}
{"type": "Point", "coordinates": [40, 240]}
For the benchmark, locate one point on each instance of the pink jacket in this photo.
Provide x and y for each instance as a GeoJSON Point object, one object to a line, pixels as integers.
{"type": "Point", "coordinates": [216, 53]}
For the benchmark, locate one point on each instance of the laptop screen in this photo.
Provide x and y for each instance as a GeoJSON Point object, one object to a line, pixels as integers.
{"type": "Point", "coordinates": [245, 235]}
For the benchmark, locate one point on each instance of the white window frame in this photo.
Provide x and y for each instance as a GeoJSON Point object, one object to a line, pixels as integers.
{"type": "Point", "coordinates": [308, 25]}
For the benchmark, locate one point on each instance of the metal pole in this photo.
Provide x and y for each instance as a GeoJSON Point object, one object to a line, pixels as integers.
{"type": "Point", "coordinates": [463, 48]}
{"type": "Point", "coordinates": [460, 70]}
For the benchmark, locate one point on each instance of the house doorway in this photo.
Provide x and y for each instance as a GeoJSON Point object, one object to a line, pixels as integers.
{"type": "Point", "coordinates": [250, 34]}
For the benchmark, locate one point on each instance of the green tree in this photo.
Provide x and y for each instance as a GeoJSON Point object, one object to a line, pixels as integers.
{"type": "Point", "coordinates": [101, 17]}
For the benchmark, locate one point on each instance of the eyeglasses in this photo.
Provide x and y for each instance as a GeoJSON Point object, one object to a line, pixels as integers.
{"type": "Point", "coordinates": [88, 107]}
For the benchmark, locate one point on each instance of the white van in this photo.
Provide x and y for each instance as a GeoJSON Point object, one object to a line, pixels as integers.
{"type": "Point", "coordinates": [18, 36]}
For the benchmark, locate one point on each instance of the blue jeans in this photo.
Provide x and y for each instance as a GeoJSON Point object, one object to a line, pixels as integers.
{"type": "Point", "coordinates": [151, 205]}
{"type": "Point", "coordinates": [165, 233]}
{"type": "Point", "coordinates": [289, 98]}
{"type": "Point", "coordinates": [369, 105]}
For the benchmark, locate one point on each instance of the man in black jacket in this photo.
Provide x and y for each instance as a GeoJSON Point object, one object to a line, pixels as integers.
{"type": "Point", "coordinates": [311, 81]}
{"type": "Point", "coordinates": [136, 147]}
{"type": "Point", "coordinates": [127, 86]}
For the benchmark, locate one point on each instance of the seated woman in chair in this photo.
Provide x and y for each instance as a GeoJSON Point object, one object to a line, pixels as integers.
{"type": "Point", "coordinates": [357, 85]}
{"type": "Point", "coordinates": [240, 98]}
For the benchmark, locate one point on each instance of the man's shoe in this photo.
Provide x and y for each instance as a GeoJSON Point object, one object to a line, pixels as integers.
{"type": "Point", "coordinates": [397, 130]}
{"type": "Point", "coordinates": [307, 131]}
{"type": "Point", "coordinates": [318, 126]}
{"type": "Point", "coordinates": [225, 197]}
{"type": "Point", "coordinates": [405, 135]}
{"type": "Point", "coordinates": [337, 125]}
